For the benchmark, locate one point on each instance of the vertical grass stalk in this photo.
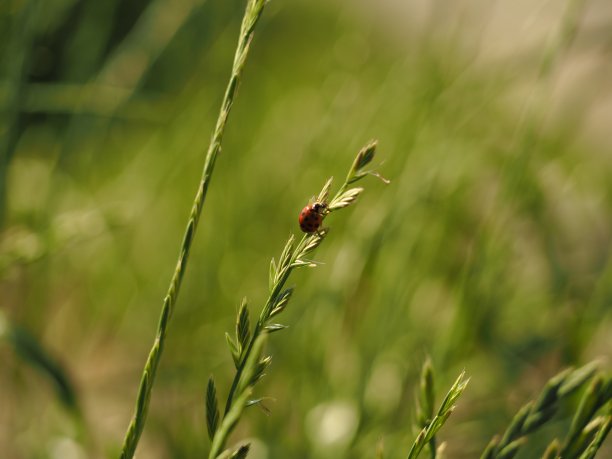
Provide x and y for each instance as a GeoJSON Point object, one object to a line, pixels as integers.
{"type": "Point", "coordinates": [247, 348]}
{"type": "Point", "coordinates": [252, 14]}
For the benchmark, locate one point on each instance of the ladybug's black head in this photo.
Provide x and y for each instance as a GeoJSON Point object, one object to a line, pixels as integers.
{"type": "Point", "coordinates": [319, 206]}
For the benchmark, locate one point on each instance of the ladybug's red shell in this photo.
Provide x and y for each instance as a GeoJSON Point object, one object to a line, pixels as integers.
{"type": "Point", "coordinates": [311, 218]}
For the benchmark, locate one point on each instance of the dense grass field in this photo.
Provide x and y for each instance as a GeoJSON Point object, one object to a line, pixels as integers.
{"type": "Point", "coordinates": [488, 251]}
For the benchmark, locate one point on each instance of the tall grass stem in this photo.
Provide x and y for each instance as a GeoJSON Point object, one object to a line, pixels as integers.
{"type": "Point", "coordinates": [252, 14]}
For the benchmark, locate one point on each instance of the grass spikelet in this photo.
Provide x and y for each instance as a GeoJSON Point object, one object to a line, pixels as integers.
{"type": "Point", "coordinates": [212, 408]}
{"type": "Point", "coordinates": [535, 414]}
{"type": "Point", "coordinates": [603, 432]}
{"type": "Point", "coordinates": [426, 401]}
{"type": "Point", "coordinates": [324, 194]}
{"type": "Point", "coordinates": [345, 199]}
{"type": "Point", "coordinates": [247, 349]}
{"type": "Point", "coordinates": [553, 450]}
{"type": "Point", "coordinates": [243, 332]}
{"type": "Point", "coordinates": [447, 406]}
{"type": "Point", "coordinates": [311, 243]}
{"type": "Point", "coordinates": [281, 302]}
{"type": "Point", "coordinates": [365, 157]}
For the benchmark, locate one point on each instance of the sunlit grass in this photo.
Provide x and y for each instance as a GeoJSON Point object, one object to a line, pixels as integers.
{"type": "Point", "coordinates": [489, 249]}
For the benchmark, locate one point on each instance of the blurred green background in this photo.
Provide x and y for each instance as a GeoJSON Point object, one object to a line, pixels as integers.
{"type": "Point", "coordinates": [490, 249]}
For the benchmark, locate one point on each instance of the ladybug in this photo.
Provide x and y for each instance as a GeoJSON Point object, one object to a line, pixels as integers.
{"type": "Point", "coordinates": [311, 217]}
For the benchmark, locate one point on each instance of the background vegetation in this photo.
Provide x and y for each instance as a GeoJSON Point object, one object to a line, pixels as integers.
{"type": "Point", "coordinates": [490, 250]}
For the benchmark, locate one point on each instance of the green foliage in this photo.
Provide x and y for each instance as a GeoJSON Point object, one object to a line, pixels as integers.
{"type": "Point", "coordinates": [431, 423]}
{"type": "Point", "coordinates": [534, 415]}
{"type": "Point", "coordinates": [489, 250]}
{"type": "Point", "coordinates": [251, 16]}
{"type": "Point", "coordinates": [247, 350]}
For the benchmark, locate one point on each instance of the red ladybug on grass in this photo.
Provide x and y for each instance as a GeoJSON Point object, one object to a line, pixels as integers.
{"type": "Point", "coordinates": [311, 217]}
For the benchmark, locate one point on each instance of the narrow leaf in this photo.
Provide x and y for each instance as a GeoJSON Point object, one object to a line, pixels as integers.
{"type": "Point", "coordinates": [578, 378]}
{"type": "Point", "coordinates": [305, 263]}
{"type": "Point", "coordinates": [275, 327]}
{"type": "Point", "coordinates": [272, 276]}
{"type": "Point", "coordinates": [365, 156]}
{"type": "Point", "coordinates": [345, 199]}
{"type": "Point", "coordinates": [260, 369]}
{"type": "Point", "coordinates": [228, 423]}
{"type": "Point", "coordinates": [29, 348]}
{"type": "Point", "coordinates": [243, 332]}
{"type": "Point", "coordinates": [259, 403]}
{"type": "Point", "coordinates": [233, 349]}
{"type": "Point", "coordinates": [511, 450]}
{"type": "Point", "coordinates": [324, 194]}
{"type": "Point", "coordinates": [312, 243]}
{"type": "Point", "coordinates": [285, 257]}
{"type": "Point", "coordinates": [212, 408]}
{"type": "Point", "coordinates": [281, 302]}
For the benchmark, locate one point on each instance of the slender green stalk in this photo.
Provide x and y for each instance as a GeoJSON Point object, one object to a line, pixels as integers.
{"type": "Point", "coordinates": [294, 258]}
{"type": "Point", "coordinates": [246, 349]}
{"type": "Point", "coordinates": [252, 14]}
